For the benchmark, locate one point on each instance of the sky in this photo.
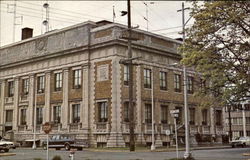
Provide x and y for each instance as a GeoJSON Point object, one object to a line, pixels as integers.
{"type": "Point", "coordinates": [162, 19]}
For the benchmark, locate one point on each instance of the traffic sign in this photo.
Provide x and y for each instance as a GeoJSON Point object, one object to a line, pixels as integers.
{"type": "Point", "coordinates": [47, 127]}
{"type": "Point", "coordinates": [168, 132]}
{"type": "Point", "coordinates": [174, 111]}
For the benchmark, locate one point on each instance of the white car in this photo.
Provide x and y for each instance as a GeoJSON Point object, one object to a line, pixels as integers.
{"type": "Point", "coordinates": [9, 143]}
{"type": "Point", "coordinates": [240, 141]}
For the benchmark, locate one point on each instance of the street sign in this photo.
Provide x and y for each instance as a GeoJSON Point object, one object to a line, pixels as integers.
{"type": "Point", "coordinates": [168, 132]}
{"type": "Point", "coordinates": [47, 127]}
{"type": "Point", "coordinates": [174, 111]}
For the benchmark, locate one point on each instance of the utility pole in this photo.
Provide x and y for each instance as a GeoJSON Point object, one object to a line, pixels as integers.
{"type": "Point", "coordinates": [130, 65]}
{"type": "Point", "coordinates": [152, 101]}
{"type": "Point", "coordinates": [14, 22]}
{"type": "Point", "coordinates": [187, 154]}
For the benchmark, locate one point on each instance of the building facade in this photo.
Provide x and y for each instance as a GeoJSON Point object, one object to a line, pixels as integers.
{"type": "Point", "coordinates": [237, 115]}
{"type": "Point", "coordinates": [72, 78]}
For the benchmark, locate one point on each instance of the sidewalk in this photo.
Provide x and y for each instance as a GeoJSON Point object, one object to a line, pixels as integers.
{"type": "Point", "coordinates": [161, 149]}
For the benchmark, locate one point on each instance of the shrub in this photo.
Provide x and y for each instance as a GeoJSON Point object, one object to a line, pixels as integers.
{"type": "Point", "coordinates": [56, 158]}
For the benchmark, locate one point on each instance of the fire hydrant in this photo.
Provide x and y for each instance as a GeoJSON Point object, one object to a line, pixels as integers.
{"type": "Point", "coordinates": [71, 154]}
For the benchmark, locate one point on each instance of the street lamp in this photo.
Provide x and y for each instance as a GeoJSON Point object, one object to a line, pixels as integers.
{"type": "Point", "coordinates": [187, 153]}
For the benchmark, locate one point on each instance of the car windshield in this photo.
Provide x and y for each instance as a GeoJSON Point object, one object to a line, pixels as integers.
{"type": "Point", "coordinates": [242, 138]}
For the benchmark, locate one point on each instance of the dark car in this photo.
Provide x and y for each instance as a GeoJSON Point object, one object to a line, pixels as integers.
{"type": "Point", "coordinates": [65, 141]}
{"type": "Point", "coordinates": [4, 147]}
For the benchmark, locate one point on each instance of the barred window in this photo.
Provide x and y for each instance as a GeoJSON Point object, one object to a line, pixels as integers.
{"type": "Point", "coordinates": [148, 113]}
{"type": "Point", "coordinates": [192, 116]}
{"type": "Point", "coordinates": [126, 112]}
{"type": "Point", "coordinates": [204, 116]}
{"type": "Point", "coordinates": [58, 81]}
{"type": "Point", "coordinates": [9, 115]}
{"type": "Point", "coordinates": [147, 78]}
{"type": "Point", "coordinates": [164, 114]}
{"type": "Point", "coordinates": [76, 113]}
{"type": "Point", "coordinates": [23, 116]}
{"type": "Point", "coordinates": [103, 111]}
{"type": "Point", "coordinates": [77, 78]}
{"type": "Point", "coordinates": [39, 115]}
{"type": "Point", "coordinates": [57, 114]}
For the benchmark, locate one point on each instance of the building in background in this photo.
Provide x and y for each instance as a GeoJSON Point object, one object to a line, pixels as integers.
{"type": "Point", "coordinates": [72, 78]}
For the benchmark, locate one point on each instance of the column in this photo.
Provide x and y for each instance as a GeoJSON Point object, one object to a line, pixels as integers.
{"type": "Point", "coordinates": [85, 98]}
{"type": "Point", "coordinates": [212, 122]}
{"type": "Point", "coordinates": [46, 115]}
{"type": "Point", "coordinates": [30, 110]}
{"type": "Point", "coordinates": [2, 90]}
{"type": "Point", "coordinates": [65, 105]}
{"type": "Point", "coordinates": [140, 139]}
{"type": "Point", "coordinates": [116, 138]}
{"type": "Point", "coordinates": [16, 99]}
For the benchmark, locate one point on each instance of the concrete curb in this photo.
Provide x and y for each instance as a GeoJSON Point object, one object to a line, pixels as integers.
{"type": "Point", "coordinates": [7, 154]}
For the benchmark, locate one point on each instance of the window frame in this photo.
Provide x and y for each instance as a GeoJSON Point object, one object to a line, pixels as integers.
{"type": "Point", "coordinates": [148, 113]}
{"type": "Point", "coordinates": [58, 81]}
{"type": "Point", "coordinates": [39, 115]}
{"type": "Point", "coordinates": [76, 110]}
{"type": "Point", "coordinates": [23, 116]}
{"type": "Point", "coordinates": [190, 84]}
{"type": "Point", "coordinates": [25, 86]}
{"type": "Point", "coordinates": [164, 114]}
{"type": "Point", "coordinates": [10, 88]}
{"type": "Point", "coordinates": [147, 78]}
{"type": "Point", "coordinates": [177, 82]}
{"type": "Point", "coordinates": [40, 84]}
{"type": "Point", "coordinates": [163, 80]}
{"type": "Point", "coordinates": [126, 75]}
{"type": "Point", "coordinates": [102, 111]}
{"type": "Point", "coordinates": [77, 78]}
{"type": "Point", "coordinates": [57, 114]}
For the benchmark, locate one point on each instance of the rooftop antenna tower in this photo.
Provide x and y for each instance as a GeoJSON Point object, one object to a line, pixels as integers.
{"type": "Point", "coordinates": [46, 21]}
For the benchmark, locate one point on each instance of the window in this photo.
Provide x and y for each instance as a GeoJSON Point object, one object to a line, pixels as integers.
{"type": "Point", "coordinates": [192, 116]}
{"type": "Point", "coordinates": [23, 116]}
{"type": "Point", "coordinates": [190, 85]}
{"type": "Point", "coordinates": [218, 117]}
{"type": "Point", "coordinates": [58, 81]}
{"type": "Point", "coordinates": [163, 80]}
{"type": "Point", "coordinates": [179, 119]}
{"type": "Point", "coordinates": [126, 74]}
{"type": "Point", "coordinates": [247, 120]}
{"type": "Point", "coordinates": [25, 86]}
{"type": "Point", "coordinates": [103, 111]}
{"type": "Point", "coordinates": [204, 116]}
{"type": "Point", "coordinates": [164, 114]}
{"type": "Point", "coordinates": [148, 113]}
{"type": "Point", "coordinates": [76, 113]}
{"type": "Point", "coordinates": [57, 114]}
{"type": "Point", "coordinates": [10, 88]}
{"type": "Point", "coordinates": [147, 78]}
{"type": "Point", "coordinates": [126, 112]}
{"type": "Point", "coordinates": [77, 78]}
{"type": "Point", "coordinates": [9, 116]}
{"type": "Point", "coordinates": [40, 84]}
{"type": "Point", "coordinates": [39, 115]}
{"type": "Point", "coordinates": [203, 84]}
{"type": "Point", "coordinates": [177, 83]}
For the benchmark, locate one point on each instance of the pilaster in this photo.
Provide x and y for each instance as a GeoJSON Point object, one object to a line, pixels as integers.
{"type": "Point", "coordinates": [46, 115]}
{"type": "Point", "coordinates": [16, 99]}
{"type": "Point", "coordinates": [85, 97]}
{"type": "Point", "coordinates": [115, 138]}
{"type": "Point", "coordinates": [140, 138]}
{"type": "Point", "coordinates": [30, 109]}
{"type": "Point", "coordinates": [65, 106]}
{"type": "Point", "coordinates": [2, 90]}
{"type": "Point", "coordinates": [212, 123]}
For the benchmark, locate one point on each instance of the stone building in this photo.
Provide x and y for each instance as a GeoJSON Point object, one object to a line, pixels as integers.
{"type": "Point", "coordinates": [236, 114]}
{"type": "Point", "coordinates": [72, 78]}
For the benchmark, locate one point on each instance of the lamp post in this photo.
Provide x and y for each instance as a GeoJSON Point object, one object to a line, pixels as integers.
{"type": "Point", "coordinates": [34, 126]}
{"type": "Point", "coordinates": [187, 153]}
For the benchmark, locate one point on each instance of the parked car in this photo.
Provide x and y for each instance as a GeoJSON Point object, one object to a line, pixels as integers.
{"type": "Point", "coordinates": [240, 141]}
{"type": "Point", "coordinates": [65, 141]}
{"type": "Point", "coordinates": [4, 147]}
{"type": "Point", "coordinates": [9, 143]}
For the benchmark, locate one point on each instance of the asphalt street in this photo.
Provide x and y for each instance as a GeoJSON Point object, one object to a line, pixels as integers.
{"type": "Point", "coordinates": [213, 154]}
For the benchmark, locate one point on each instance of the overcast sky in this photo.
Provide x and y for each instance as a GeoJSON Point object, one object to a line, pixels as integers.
{"type": "Point", "coordinates": [163, 17]}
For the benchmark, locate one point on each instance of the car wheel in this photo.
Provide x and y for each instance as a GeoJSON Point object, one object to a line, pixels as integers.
{"type": "Point", "coordinates": [6, 150]}
{"type": "Point", "coordinates": [243, 145]}
{"type": "Point", "coordinates": [79, 149]}
{"type": "Point", "coordinates": [67, 147]}
{"type": "Point", "coordinates": [233, 146]}
{"type": "Point", "coordinates": [58, 148]}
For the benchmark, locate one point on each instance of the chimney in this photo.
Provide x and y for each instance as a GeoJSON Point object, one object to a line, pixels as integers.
{"type": "Point", "coordinates": [27, 33]}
